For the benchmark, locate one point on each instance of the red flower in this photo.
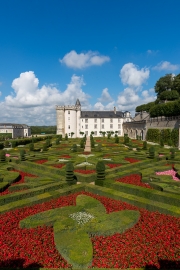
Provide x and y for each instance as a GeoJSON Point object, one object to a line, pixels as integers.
{"type": "Point", "coordinates": [65, 156]}
{"type": "Point", "coordinates": [41, 161]}
{"type": "Point", "coordinates": [132, 160]}
{"type": "Point", "coordinates": [58, 165]}
{"type": "Point", "coordinates": [153, 241]}
{"type": "Point", "coordinates": [134, 179]}
{"type": "Point", "coordinates": [20, 181]}
{"type": "Point", "coordinates": [85, 171]}
{"type": "Point", "coordinates": [113, 165]}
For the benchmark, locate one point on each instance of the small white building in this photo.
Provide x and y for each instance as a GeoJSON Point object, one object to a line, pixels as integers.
{"type": "Point", "coordinates": [70, 119]}
{"type": "Point", "coordinates": [17, 130]}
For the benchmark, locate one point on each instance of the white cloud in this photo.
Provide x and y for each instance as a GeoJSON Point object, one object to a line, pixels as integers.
{"type": "Point", "coordinates": [165, 65]}
{"type": "Point", "coordinates": [129, 99]}
{"type": "Point", "coordinates": [132, 76]}
{"type": "Point", "coordinates": [33, 105]}
{"type": "Point", "coordinates": [83, 60]}
{"type": "Point", "coordinates": [152, 52]}
{"type": "Point", "coordinates": [105, 96]}
{"type": "Point", "coordinates": [100, 107]}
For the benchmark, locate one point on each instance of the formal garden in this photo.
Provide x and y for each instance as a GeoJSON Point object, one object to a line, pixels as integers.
{"type": "Point", "coordinates": [116, 206]}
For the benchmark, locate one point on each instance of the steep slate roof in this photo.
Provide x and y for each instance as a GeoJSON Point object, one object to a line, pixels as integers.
{"type": "Point", "coordinates": [10, 125]}
{"type": "Point", "coordinates": [101, 114]}
{"type": "Point", "coordinates": [78, 103]}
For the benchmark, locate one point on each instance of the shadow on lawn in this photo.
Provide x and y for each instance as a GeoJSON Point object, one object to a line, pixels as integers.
{"type": "Point", "coordinates": [18, 264]}
{"type": "Point", "coordinates": [165, 265]}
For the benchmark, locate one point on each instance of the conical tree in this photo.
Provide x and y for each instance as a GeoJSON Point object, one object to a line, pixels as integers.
{"type": "Point", "coordinates": [2, 156]}
{"type": "Point", "coordinates": [100, 169]}
{"type": "Point", "coordinates": [70, 177]}
{"type": "Point", "coordinates": [172, 153]}
{"type": "Point", "coordinates": [74, 148]}
{"type": "Point", "coordinates": [22, 155]}
{"type": "Point", "coordinates": [31, 147]}
{"type": "Point", "coordinates": [144, 145]}
{"type": "Point", "coordinates": [151, 152]}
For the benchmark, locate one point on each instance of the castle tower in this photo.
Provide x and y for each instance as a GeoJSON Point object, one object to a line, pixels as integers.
{"type": "Point", "coordinates": [68, 119]}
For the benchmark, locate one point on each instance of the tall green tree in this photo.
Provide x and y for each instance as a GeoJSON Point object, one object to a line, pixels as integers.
{"type": "Point", "coordinates": [164, 83]}
{"type": "Point", "coordinates": [176, 83]}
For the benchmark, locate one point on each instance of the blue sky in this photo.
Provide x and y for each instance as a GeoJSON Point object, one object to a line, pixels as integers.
{"type": "Point", "coordinates": [105, 52]}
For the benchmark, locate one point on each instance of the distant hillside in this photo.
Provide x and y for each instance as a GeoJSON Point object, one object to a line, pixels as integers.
{"type": "Point", "coordinates": [43, 129]}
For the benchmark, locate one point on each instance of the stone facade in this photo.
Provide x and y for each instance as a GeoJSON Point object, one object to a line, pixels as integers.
{"type": "Point", "coordinates": [70, 119]}
{"type": "Point", "coordinates": [142, 122]}
{"type": "Point", "coordinates": [17, 130]}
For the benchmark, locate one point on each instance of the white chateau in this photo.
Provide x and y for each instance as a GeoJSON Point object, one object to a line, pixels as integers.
{"type": "Point", "coordinates": [70, 119]}
{"type": "Point", "coordinates": [17, 130]}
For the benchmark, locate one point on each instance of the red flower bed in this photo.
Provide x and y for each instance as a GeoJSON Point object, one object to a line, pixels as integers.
{"type": "Point", "coordinates": [20, 181]}
{"type": "Point", "coordinates": [132, 160]}
{"type": "Point", "coordinates": [85, 171]}
{"type": "Point", "coordinates": [65, 156]}
{"type": "Point", "coordinates": [58, 165]}
{"type": "Point", "coordinates": [107, 155]}
{"type": "Point", "coordinates": [133, 179]}
{"type": "Point", "coordinates": [86, 153]}
{"type": "Point", "coordinates": [113, 165]}
{"type": "Point", "coordinates": [153, 241]}
{"type": "Point", "coordinates": [41, 161]}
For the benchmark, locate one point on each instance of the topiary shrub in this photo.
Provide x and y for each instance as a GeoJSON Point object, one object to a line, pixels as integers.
{"type": "Point", "coordinates": [92, 143]}
{"type": "Point", "coordinates": [70, 177]}
{"type": "Point", "coordinates": [2, 156]}
{"type": "Point", "coordinates": [44, 147]}
{"type": "Point", "coordinates": [31, 147]}
{"type": "Point", "coordinates": [6, 143]}
{"type": "Point", "coordinates": [82, 143]}
{"type": "Point", "coordinates": [74, 148]}
{"type": "Point", "coordinates": [13, 144]}
{"type": "Point", "coordinates": [100, 169]}
{"type": "Point", "coordinates": [144, 145]}
{"type": "Point", "coordinates": [126, 139]}
{"type": "Point", "coordinates": [57, 141]}
{"type": "Point", "coordinates": [170, 143]}
{"type": "Point", "coordinates": [99, 147]}
{"type": "Point", "coordinates": [172, 153]}
{"type": "Point", "coordinates": [1, 145]}
{"type": "Point", "coordinates": [48, 143]}
{"type": "Point", "coordinates": [151, 152]}
{"type": "Point", "coordinates": [161, 142]}
{"type": "Point", "coordinates": [116, 139]}
{"type": "Point", "coordinates": [22, 154]}
{"type": "Point", "coordinates": [66, 137]}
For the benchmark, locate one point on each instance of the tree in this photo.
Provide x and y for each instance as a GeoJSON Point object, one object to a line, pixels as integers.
{"type": "Point", "coordinates": [176, 83]}
{"type": "Point", "coordinates": [72, 133]}
{"type": "Point", "coordinates": [164, 83]}
{"type": "Point", "coordinates": [100, 169]}
{"type": "Point", "coordinates": [22, 154]}
{"type": "Point", "coordinates": [145, 107]}
{"type": "Point", "coordinates": [31, 147]}
{"type": "Point", "coordinates": [169, 95]}
{"type": "Point", "coordinates": [74, 148]}
{"type": "Point", "coordinates": [70, 177]}
{"type": "Point", "coordinates": [2, 156]}
{"type": "Point", "coordinates": [82, 133]}
{"type": "Point", "coordinates": [66, 137]}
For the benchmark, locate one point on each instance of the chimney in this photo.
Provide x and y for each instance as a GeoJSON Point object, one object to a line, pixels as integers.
{"type": "Point", "coordinates": [115, 110]}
